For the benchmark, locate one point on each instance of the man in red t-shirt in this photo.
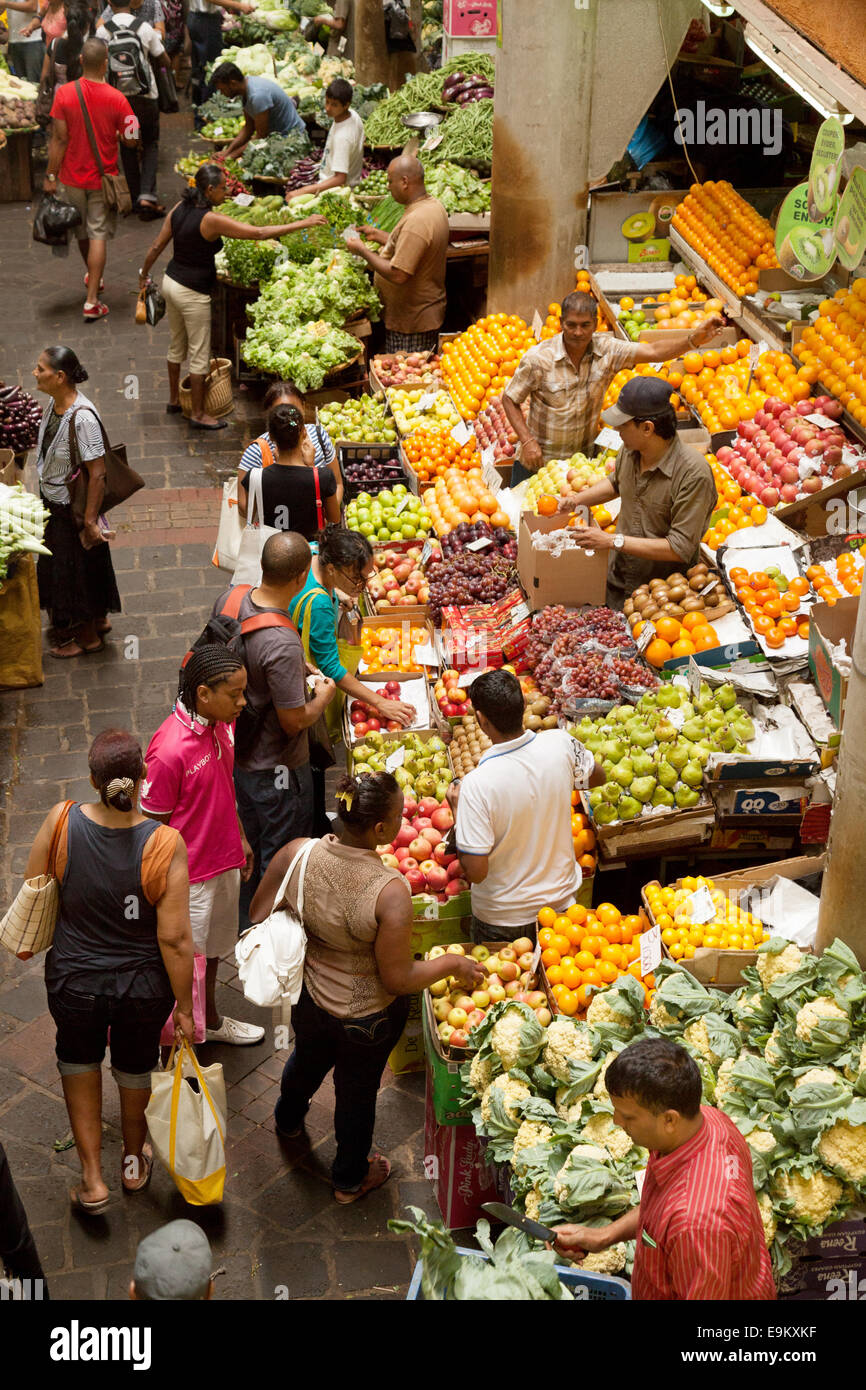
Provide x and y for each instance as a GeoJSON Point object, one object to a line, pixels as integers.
{"type": "Point", "coordinates": [71, 156]}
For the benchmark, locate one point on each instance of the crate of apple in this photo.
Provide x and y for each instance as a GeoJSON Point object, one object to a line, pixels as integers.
{"type": "Point", "coordinates": [451, 697]}
{"type": "Point", "coordinates": [493, 429]}
{"type": "Point", "coordinates": [399, 581]}
{"type": "Point", "coordinates": [365, 719]}
{"type": "Point", "coordinates": [781, 456]}
{"type": "Point", "coordinates": [418, 850]}
{"type": "Point", "coordinates": [508, 975]}
{"type": "Point", "coordinates": [407, 369]}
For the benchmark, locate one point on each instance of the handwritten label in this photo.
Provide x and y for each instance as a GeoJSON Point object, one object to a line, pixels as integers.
{"type": "Point", "coordinates": [537, 325]}
{"type": "Point", "coordinates": [402, 504]}
{"type": "Point", "coordinates": [425, 656]}
{"type": "Point", "coordinates": [480, 544]}
{"type": "Point", "coordinates": [435, 138]}
{"type": "Point", "coordinates": [822, 421]}
{"type": "Point", "coordinates": [427, 401]}
{"type": "Point", "coordinates": [488, 456]}
{"type": "Point", "coordinates": [703, 907]}
{"type": "Point", "coordinates": [243, 200]}
{"type": "Point", "coordinates": [647, 633]}
{"type": "Point", "coordinates": [395, 759]}
{"type": "Point", "coordinates": [465, 679]}
{"type": "Point", "coordinates": [677, 717]}
{"type": "Point", "coordinates": [536, 960]}
{"type": "Point", "coordinates": [426, 552]}
{"type": "Point", "coordinates": [708, 588]}
{"type": "Point", "coordinates": [650, 950]}
{"type": "Point", "coordinates": [609, 438]}
{"type": "Point", "coordinates": [519, 612]}
{"type": "Point", "coordinates": [461, 433]}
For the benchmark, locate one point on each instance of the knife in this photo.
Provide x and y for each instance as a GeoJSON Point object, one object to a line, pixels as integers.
{"type": "Point", "coordinates": [516, 1218]}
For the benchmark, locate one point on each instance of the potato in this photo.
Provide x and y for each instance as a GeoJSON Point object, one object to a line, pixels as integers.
{"type": "Point", "coordinates": [541, 706]}
{"type": "Point", "coordinates": [532, 721]}
{"type": "Point", "coordinates": [550, 722]}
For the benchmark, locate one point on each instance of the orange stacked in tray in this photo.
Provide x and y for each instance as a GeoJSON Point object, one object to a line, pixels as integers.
{"type": "Point", "coordinates": [734, 240]}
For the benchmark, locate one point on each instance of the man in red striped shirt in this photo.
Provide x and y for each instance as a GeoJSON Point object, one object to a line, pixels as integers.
{"type": "Point", "coordinates": [698, 1228]}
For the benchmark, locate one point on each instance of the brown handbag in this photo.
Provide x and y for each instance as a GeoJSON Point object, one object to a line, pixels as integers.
{"type": "Point", "coordinates": [121, 481]}
{"type": "Point", "coordinates": [115, 190]}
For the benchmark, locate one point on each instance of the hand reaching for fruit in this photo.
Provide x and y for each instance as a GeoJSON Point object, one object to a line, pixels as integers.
{"type": "Point", "coordinates": [468, 971]}
{"type": "Point", "coordinates": [396, 710]}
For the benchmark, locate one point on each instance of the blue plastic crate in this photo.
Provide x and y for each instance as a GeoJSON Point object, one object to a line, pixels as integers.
{"type": "Point", "coordinates": [606, 1288]}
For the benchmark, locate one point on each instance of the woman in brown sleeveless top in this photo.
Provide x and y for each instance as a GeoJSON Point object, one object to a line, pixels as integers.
{"type": "Point", "coordinates": [358, 971]}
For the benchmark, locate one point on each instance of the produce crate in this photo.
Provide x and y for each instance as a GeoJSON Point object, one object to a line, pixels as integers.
{"type": "Point", "coordinates": [444, 1087]}
{"type": "Point", "coordinates": [829, 626]}
{"type": "Point", "coordinates": [454, 1163]}
{"type": "Point", "coordinates": [409, 1050]}
{"type": "Point", "coordinates": [816, 1280]}
{"type": "Point", "coordinates": [445, 1052]}
{"type": "Point", "coordinates": [428, 725]}
{"type": "Point", "coordinates": [652, 835]}
{"type": "Point", "coordinates": [351, 452]}
{"type": "Point", "coordinates": [842, 1239]}
{"type": "Point", "coordinates": [382, 620]}
{"type": "Point", "coordinates": [585, 1286]}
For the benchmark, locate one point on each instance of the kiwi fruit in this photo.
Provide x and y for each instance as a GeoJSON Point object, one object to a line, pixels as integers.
{"type": "Point", "coordinates": [532, 721]}
{"type": "Point", "coordinates": [676, 578]}
{"type": "Point", "coordinates": [674, 610]}
{"type": "Point", "coordinates": [651, 611]}
{"type": "Point", "coordinates": [549, 722]}
{"type": "Point", "coordinates": [628, 607]}
{"type": "Point", "coordinates": [700, 568]}
{"type": "Point", "coordinates": [692, 605]}
{"type": "Point", "coordinates": [698, 581]}
{"type": "Point", "coordinates": [657, 584]}
{"type": "Point", "coordinates": [639, 226]}
{"type": "Point", "coordinates": [641, 603]}
{"type": "Point", "coordinates": [677, 592]}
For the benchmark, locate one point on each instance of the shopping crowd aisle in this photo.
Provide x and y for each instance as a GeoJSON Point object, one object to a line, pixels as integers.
{"type": "Point", "coordinates": [278, 1233]}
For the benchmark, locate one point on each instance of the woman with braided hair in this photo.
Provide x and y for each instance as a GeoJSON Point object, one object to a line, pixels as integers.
{"type": "Point", "coordinates": [121, 955]}
{"type": "Point", "coordinates": [190, 786]}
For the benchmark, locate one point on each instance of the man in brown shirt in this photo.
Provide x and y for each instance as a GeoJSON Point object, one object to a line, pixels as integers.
{"type": "Point", "coordinates": [410, 273]}
{"type": "Point", "coordinates": [666, 491]}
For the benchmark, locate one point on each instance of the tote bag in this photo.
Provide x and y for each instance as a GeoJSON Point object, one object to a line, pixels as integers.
{"type": "Point", "coordinates": [230, 529]}
{"type": "Point", "coordinates": [248, 569]}
{"type": "Point", "coordinates": [349, 654]}
{"type": "Point", "coordinates": [270, 955]}
{"type": "Point", "coordinates": [28, 925]}
{"type": "Point", "coordinates": [188, 1126]}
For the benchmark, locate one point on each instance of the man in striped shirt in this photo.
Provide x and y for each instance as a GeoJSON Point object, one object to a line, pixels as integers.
{"type": "Point", "coordinates": [698, 1228]}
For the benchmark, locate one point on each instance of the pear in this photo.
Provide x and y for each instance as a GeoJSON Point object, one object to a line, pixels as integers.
{"type": "Point", "coordinates": [435, 744]}
{"type": "Point", "coordinates": [648, 701]}
{"type": "Point", "coordinates": [677, 756]}
{"type": "Point", "coordinates": [642, 788]}
{"type": "Point", "coordinates": [595, 797]}
{"type": "Point", "coordinates": [692, 774]}
{"type": "Point", "coordinates": [701, 752]}
{"type": "Point", "coordinates": [613, 750]}
{"type": "Point", "coordinates": [425, 785]}
{"type": "Point", "coordinates": [376, 764]}
{"type": "Point", "coordinates": [611, 791]}
{"type": "Point", "coordinates": [726, 696]}
{"type": "Point", "coordinates": [663, 797]}
{"type": "Point", "coordinates": [688, 709]}
{"type": "Point", "coordinates": [628, 808]}
{"type": "Point", "coordinates": [641, 735]}
{"type": "Point", "coordinates": [714, 719]}
{"type": "Point", "coordinates": [374, 740]}
{"type": "Point", "coordinates": [586, 726]}
{"type": "Point", "coordinates": [401, 777]}
{"type": "Point", "coordinates": [669, 697]}
{"type": "Point", "coordinates": [724, 740]}
{"type": "Point", "coordinates": [605, 813]}
{"type": "Point", "coordinates": [744, 729]}
{"type": "Point", "coordinates": [686, 797]}
{"type": "Point", "coordinates": [441, 790]}
{"type": "Point", "coordinates": [668, 775]}
{"type": "Point", "coordinates": [665, 731]}
{"type": "Point", "coordinates": [694, 729]}
{"type": "Point", "coordinates": [704, 699]}
{"type": "Point", "coordinates": [643, 764]}
{"type": "Point", "coordinates": [623, 772]}
{"type": "Point", "coordinates": [593, 743]}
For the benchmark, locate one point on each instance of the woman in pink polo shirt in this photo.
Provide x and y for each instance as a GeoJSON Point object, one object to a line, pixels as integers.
{"type": "Point", "coordinates": [189, 785]}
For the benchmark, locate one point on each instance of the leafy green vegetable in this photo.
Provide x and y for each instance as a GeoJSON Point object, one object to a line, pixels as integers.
{"type": "Point", "coordinates": [512, 1270]}
{"type": "Point", "coordinates": [306, 354]}
{"type": "Point", "coordinates": [275, 156]}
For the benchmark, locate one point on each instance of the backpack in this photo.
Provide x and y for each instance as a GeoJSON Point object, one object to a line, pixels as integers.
{"type": "Point", "coordinates": [128, 68]}
{"type": "Point", "coordinates": [226, 629]}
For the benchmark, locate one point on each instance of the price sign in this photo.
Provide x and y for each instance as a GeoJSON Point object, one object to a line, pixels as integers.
{"type": "Point", "coordinates": [703, 907]}
{"type": "Point", "coordinates": [402, 504]}
{"type": "Point", "coordinates": [647, 633]}
{"type": "Point", "coordinates": [428, 400]}
{"type": "Point", "coordinates": [519, 612]}
{"type": "Point", "coordinates": [481, 544]}
{"type": "Point", "coordinates": [708, 588]}
{"type": "Point", "coordinates": [491, 477]}
{"type": "Point", "coordinates": [243, 200]}
{"type": "Point", "coordinates": [426, 552]}
{"type": "Point", "coordinates": [341, 46]}
{"type": "Point", "coordinates": [695, 676]}
{"type": "Point", "coordinates": [536, 960]}
{"type": "Point", "coordinates": [425, 656]}
{"type": "Point", "coordinates": [396, 759]}
{"type": "Point", "coordinates": [537, 325]}
{"type": "Point", "coordinates": [488, 456]}
{"type": "Point", "coordinates": [650, 950]}
{"type": "Point", "coordinates": [608, 439]}
{"type": "Point", "coordinates": [433, 139]}
{"type": "Point", "coordinates": [822, 421]}
{"type": "Point", "coordinates": [465, 679]}
{"type": "Point", "coordinates": [461, 433]}
{"type": "Point", "coordinates": [677, 717]}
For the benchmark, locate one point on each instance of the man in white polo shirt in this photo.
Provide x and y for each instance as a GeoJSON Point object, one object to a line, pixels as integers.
{"type": "Point", "coordinates": [513, 814]}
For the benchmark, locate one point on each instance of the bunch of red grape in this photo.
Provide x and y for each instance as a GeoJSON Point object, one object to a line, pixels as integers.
{"type": "Point", "coordinates": [633, 673]}
{"type": "Point", "coordinates": [468, 531]}
{"type": "Point", "coordinates": [465, 578]}
{"type": "Point", "coordinates": [600, 625]}
{"type": "Point", "coordinates": [588, 677]}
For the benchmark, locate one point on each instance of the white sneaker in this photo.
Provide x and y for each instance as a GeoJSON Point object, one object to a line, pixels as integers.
{"type": "Point", "coordinates": [237, 1034]}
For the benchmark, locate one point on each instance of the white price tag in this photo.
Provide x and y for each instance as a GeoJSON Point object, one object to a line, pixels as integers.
{"type": "Point", "coordinates": [465, 679]}
{"type": "Point", "coordinates": [488, 456]}
{"type": "Point", "coordinates": [243, 200]}
{"type": "Point", "coordinates": [536, 960]}
{"type": "Point", "coordinates": [822, 421]}
{"type": "Point", "coordinates": [461, 433]}
{"type": "Point", "coordinates": [491, 478]}
{"type": "Point", "coordinates": [341, 46]}
{"type": "Point", "coordinates": [650, 950]}
{"type": "Point", "coordinates": [608, 438]}
{"type": "Point", "coordinates": [396, 759]}
{"type": "Point", "coordinates": [519, 612]}
{"type": "Point", "coordinates": [754, 354]}
{"type": "Point", "coordinates": [537, 325]}
{"type": "Point", "coordinates": [708, 588]}
{"type": "Point", "coordinates": [350, 232]}
{"type": "Point", "coordinates": [695, 676]}
{"type": "Point", "coordinates": [481, 544]}
{"type": "Point", "coordinates": [402, 504]}
{"type": "Point", "coordinates": [647, 633]}
{"type": "Point", "coordinates": [427, 401]}
{"type": "Point", "coordinates": [425, 656]}
{"type": "Point", "coordinates": [426, 552]}
{"type": "Point", "coordinates": [435, 138]}
{"type": "Point", "coordinates": [217, 130]}
{"type": "Point", "coordinates": [677, 717]}
{"type": "Point", "coordinates": [703, 907]}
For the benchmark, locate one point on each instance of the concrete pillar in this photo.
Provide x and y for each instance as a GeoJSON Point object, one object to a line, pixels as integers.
{"type": "Point", "coordinates": [843, 890]}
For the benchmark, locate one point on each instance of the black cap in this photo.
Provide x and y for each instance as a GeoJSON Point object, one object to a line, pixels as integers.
{"type": "Point", "coordinates": [642, 398]}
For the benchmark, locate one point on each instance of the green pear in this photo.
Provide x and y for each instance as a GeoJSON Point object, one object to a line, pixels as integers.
{"type": "Point", "coordinates": [595, 797]}
{"type": "Point", "coordinates": [647, 701]}
{"type": "Point", "coordinates": [693, 729]}
{"type": "Point", "coordinates": [704, 698]}
{"type": "Point", "coordinates": [376, 764]}
{"type": "Point", "coordinates": [401, 777]}
{"type": "Point", "coordinates": [668, 697]}
{"type": "Point", "coordinates": [701, 752]}
{"type": "Point", "coordinates": [628, 808]}
{"type": "Point", "coordinates": [714, 719]}
{"type": "Point", "coordinates": [667, 775]}
{"type": "Point", "coordinates": [593, 743]}
{"type": "Point", "coordinates": [642, 788]}
{"type": "Point", "coordinates": [692, 774]}
{"type": "Point", "coordinates": [441, 789]}
{"type": "Point", "coordinates": [613, 749]}
{"type": "Point", "coordinates": [686, 797]}
{"type": "Point", "coordinates": [643, 764]}
{"type": "Point", "coordinates": [623, 772]}
{"type": "Point", "coordinates": [744, 729]}
{"type": "Point", "coordinates": [435, 744]}
{"type": "Point", "coordinates": [605, 813]}
{"type": "Point", "coordinates": [724, 740]}
{"type": "Point", "coordinates": [425, 785]}
{"type": "Point", "coordinates": [663, 797]}
{"type": "Point", "coordinates": [375, 739]}
{"type": "Point", "coordinates": [607, 767]}
{"type": "Point", "coordinates": [678, 756]}
{"type": "Point", "coordinates": [665, 731]}
{"type": "Point", "coordinates": [726, 696]}
{"type": "Point", "coordinates": [641, 735]}
{"type": "Point", "coordinates": [611, 791]}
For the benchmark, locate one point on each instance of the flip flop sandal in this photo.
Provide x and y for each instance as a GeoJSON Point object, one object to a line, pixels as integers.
{"type": "Point", "coordinates": [147, 1162]}
{"type": "Point", "coordinates": [89, 1208]}
{"type": "Point", "coordinates": [200, 425]}
{"type": "Point", "coordinates": [370, 1183]}
{"type": "Point", "coordinates": [60, 655]}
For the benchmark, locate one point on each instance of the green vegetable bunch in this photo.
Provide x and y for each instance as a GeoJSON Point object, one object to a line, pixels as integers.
{"type": "Point", "coordinates": [305, 354]}
{"type": "Point", "coordinates": [247, 262]}
{"type": "Point", "coordinates": [509, 1269]}
{"type": "Point", "coordinates": [458, 189]}
{"type": "Point", "coordinates": [224, 127]}
{"type": "Point", "coordinates": [218, 107]}
{"type": "Point", "coordinates": [467, 136]}
{"type": "Point", "coordinates": [420, 93]}
{"type": "Point", "coordinates": [22, 524]}
{"type": "Point", "coordinates": [275, 156]}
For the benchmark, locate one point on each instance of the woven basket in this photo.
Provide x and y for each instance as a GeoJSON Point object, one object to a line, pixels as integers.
{"type": "Point", "coordinates": [218, 398]}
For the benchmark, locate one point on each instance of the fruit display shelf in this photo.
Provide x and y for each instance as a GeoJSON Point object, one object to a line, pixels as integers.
{"type": "Point", "coordinates": [369, 468]}
{"type": "Point", "coordinates": [732, 302]}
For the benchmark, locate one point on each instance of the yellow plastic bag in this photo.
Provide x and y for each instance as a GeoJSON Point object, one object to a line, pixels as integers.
{"type": "Point", "coordinates": [188, 1126]}
{"type": "Point", "coordinates": [20, 627]}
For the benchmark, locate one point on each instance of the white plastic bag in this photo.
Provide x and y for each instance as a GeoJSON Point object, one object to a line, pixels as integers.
{"type": "Point", "coordinates": [230, 529]}
{"type": "Point", "coordinates": [270, 956]}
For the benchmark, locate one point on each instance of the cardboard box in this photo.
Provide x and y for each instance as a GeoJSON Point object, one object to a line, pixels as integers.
{"type": "Point", "coordinates": [444, 1085]}
{"type": "Point", "coordinates": [827, 627]}
{"type": "Point", "coordinates": [454, 1163]}
{"type": "Point", "coordinates": [842, 1239]}
{"type": "Point", "coordinates": [763, 838]}
{"type": "Point", "coordinates": [814, 1280]}
{"type": "Point", "coordinates": [652, 835]}
{"type": "Point", "coordinates": [572, 578]}
{"type": "Point", "coordinates": [782, 799]}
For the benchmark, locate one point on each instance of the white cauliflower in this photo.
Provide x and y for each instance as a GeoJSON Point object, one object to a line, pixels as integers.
{"type": "Point", "coordinates": [843, 1148]}
{"type": "Point", "coordinates": [659, 1016]}
{"type": "Point", "coordinates": [602, 1130]}
{"type": "Point", "coordinates": [481, 1071]}
{"type": "Point", "coordinates": [749, 1001]}
{"type": "Point", "coordinates": [601, 1010]}
{"type": "Point", "coordinates": [506, 1038]}
{"type": "Point", "coordinates": [565, 1040]}
{"type": "Point", "coordinates": [532, 1203]}
{"type": "Point", "coordinates": [697, 1035]}
{"type": "Point", "coordinates": [600, 1088]}
{"type": "Point", "coordinates": [814, 1197]}
{"type": "Point", "coordinates": [772, 1053]}
{"type": "Point", "coordinates": [529, 1134]}
{"type": "Point", "coordinates": [761, 1141]}
{"type": "Point", "coordinates": [724, 1085]}
{"type": "Point", "coordinates": [560, 1187]}
{"type": "Point", "coordinates": [768, 1217]}
{"type": "Point", "coordinates": [852, 1072]}
{"type": "Point", "coordinates": [813, 1012]}
{"type": "Point", "coordinates": [570, 1112]}
{"type": "Point", "coordinates": [610, 1261]}
{"type": "Point", "coordinates": [771, 967]}
{"type": "Point", "coordinates": [511, 1091]}
{"type": "Point", "coordinates": [817, 1076]}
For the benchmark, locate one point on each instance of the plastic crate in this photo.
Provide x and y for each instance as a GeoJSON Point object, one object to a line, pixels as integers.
{"type": "Point", "coordinates": [605, 1288]}
{"type": "Point", "coordinates": [382, 453]}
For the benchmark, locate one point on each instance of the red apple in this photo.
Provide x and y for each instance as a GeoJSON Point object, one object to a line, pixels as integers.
{"type": "Point", "coordinates": [415, 880]}
{"type": "Point", "coordinates": [811, 485]}
{"type": "Point", "coordinates": [420, 848]}
{"type": "Point", "coordinates": [456, 885]}
{"type": "Point", "coordinates": [427, 805]}
{"type": "Point", "coordinates": [441, 855]}
{"type": "Point", "coordinates": [455, 869]}
{"type": "Point", "coordinates": [770, 497]}
{"type": "Point", "coordinates": [432, 835]}
{"type": "Point", "coordinates": [437, 877]}
{"type": "Point", "coordinates": [788, 492]}
{"type": "Point", "coordinates": [442, 818]}
{"type": "Point", "coordinates": [405, 835]}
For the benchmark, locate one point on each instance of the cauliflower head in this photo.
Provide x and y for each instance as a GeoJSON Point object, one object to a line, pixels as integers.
{"type": "Point", "coordinates": [512, 1035]}
{"type": "Point", "coordinates": [852, 1072]}
{"type": "Point", "coordinates": [566, 1040]}
{"type": "Point", "coordinates": [697, 1035]}
{"type": "Point", "coordinates": [818, 1076]}
{"type": "Point", "coordinates": [771, 967]}
{"type": "Point", "coordinates": [560, 1186]}
{"type": "Point", "coordinates": [724, 1085]}
{"type": "Point", "coordinates": [571, 1113]}
{"type": "Point", "coordinates": [813, 1196]}
{"type": "Point", "coordinates": [602, 1130]}
{"type": "Point", "coordinates": [510, 1091]}
{"type": "Point", "coordinates": [532, 1203]}
{"type": "Point", "coordinates": [760, 1140]}
{"type": "Point", "coordinates": [811, 1014]}
{"type": "Point", "coordinates": [610, 1261]}
{"type": "Point", "coordinates": [843, 1148]}
{"type": "Point", "coordinates": [529, 1134]}
{"type": "Point", "coordinates": [768, 1217]}
{"type": "Point", "coordinates": [772, 1053]}
{"type": "Point", "coordinates": [481, 1073]}
{"type": "Point", "coordinates": [749, 1002]}
{"type": "Point", "coordinates": [659, 1016]}
{"type": "Point", "coordinates": [600, 1089]}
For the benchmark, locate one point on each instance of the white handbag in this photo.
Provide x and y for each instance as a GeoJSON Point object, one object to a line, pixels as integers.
{"type": "Point", "coordinates": [230, 529]}
{"type": "Point", "coordinates": [248, 569]}
{"type": "Point", "coordinates": [270, 956]}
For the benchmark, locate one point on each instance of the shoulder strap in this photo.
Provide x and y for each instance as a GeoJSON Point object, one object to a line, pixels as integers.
{"type": "Point", "coordinates": [232, 606]}
{"type": "Point", "coordinates": [55, 838]}
{"type": "Point", "coordinates": [321, 439]}
{"type": "Point", "coordinates": [320, 515]}
{"type": "Point", "coordinates": [266, 450]}
{"type": "Point", "coordinates": [92, 138]}
{"type": "Point", "coordinates": [303, 853]}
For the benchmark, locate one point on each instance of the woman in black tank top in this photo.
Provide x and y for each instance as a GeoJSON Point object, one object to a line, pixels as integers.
{"type": "Point", "coordinates": [122, 953]}
{"type": "Point", "coordinates": [197, 229]}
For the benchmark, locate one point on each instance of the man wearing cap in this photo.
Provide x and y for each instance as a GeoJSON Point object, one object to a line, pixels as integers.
{"type": "Point", "coordinates": [565, 380]}
{"type": "Point", "coordinates": [173, 1264]}
{"type": "Point", "coordinates": [666, 491]}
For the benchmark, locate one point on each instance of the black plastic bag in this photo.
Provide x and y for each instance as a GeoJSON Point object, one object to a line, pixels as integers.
{"type": "Point", "coordinates": [53, 220]}
{"type": "Point", "coordinates": [153, 303]}
{"type": "Point", "coordinates": [398, 28]}
{"type": "Point", "coordinates": [166, 89]}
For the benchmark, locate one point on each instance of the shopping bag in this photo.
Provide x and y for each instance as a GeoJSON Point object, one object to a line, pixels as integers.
{"type": "Point", "coordinates": [20, 626]}
{"type": "Point", "coordinates": [199, 966]}
{"type": "Point", "coordinates": [28, 925]}
{"type": "Point", "coordinates": [187, 1123]}
{"type": "Point", "coordinates": [229, 530]}
{"type": "Point", "coordinates": [270, 955]}
{"type": "Point", "coordinates": [248, 569]}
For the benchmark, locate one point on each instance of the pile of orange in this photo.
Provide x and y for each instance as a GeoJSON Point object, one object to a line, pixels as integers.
{"type": "Point", "coordinates": [392, 648]}
{"type": "Point", "coordinates": [849, 577]}
{"type": "Point", "coordinates": [583, 839]}
{"type": "Point", "coordinates": [686, 288]}
{"type": "Point", "coordinates": [740, 508]}
{"type": "Point", "coordinates": [585, 947]}
{"type": "Point", "coordinates": [553, 323]}
{"type": "Point", "coordinates": [664, 371]}
{"type": "Point", "coordinates": [775, 616]}
{"type": "Point", "coordinates": [457, 497]}
{"type": "Point", "coordinates": [678, 638]}
{"type": "Point", "coordinates": [734, 240]}
{"type": "Point", "coordinates": [478, 365]}
{"type": "Point", "coordinates": [833, 348]}
{"type": "Point", "coordinates": [716, 384]}
{"type": "Point", "coordinates": [777, 376]}
{"type": "Point", "coordinates": [432, 453]}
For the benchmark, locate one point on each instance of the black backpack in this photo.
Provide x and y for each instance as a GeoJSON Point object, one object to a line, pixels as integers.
{"type": "Point", "coordinates": [128, 66]}
{"type": "Point", "coordinates": [226, 629]}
